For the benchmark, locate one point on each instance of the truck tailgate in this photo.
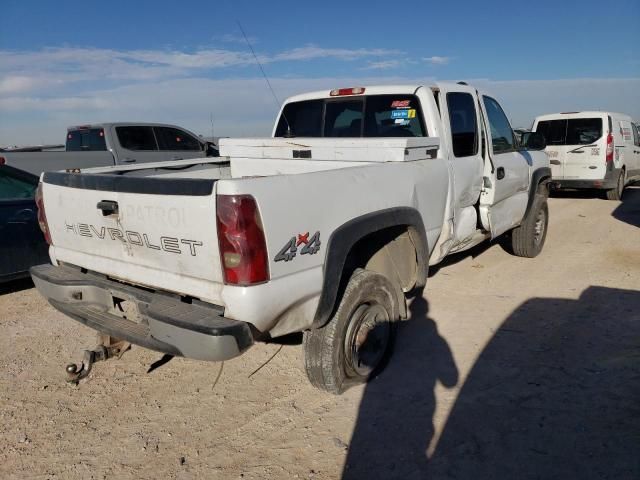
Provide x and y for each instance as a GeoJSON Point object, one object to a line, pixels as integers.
{"type": "Point", "coordinates": [155, 232]}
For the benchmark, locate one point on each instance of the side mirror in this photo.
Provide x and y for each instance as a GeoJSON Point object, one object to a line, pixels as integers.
{"type": "Point", "coordinates": [211, 150]}
{"type": "Point", "coordinates": [533, 141]}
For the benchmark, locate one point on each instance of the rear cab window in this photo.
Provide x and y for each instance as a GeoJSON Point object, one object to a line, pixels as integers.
{"type": "Point", "coordinates": [362, 116]}
{"type": "Point", "coordinates": [86, 140]}
{"type": "Point", "coordinates": [571, 131]}
{"type": "Point", "coordinates": [137, 138]}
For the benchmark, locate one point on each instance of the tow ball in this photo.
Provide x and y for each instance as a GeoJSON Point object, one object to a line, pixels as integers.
{"type": "Point", "coordinates": [108, 347]}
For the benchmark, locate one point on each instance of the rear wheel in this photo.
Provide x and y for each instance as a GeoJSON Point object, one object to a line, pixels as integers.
{"type": "Point", "coordinates": [528, 239]}
{"type": "Point", "coordinates": [616, 193]}
{"type": "Point", "coordinates": [355, 344]}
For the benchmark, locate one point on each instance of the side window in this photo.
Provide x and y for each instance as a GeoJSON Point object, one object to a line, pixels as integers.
{"type": "Point", "coordinates": [175, 139]}
{"type": "Point", "coordinates": [136, 138]}
{"type": "Point", "coordinates": [501, 133]}
{"type": "Point", "coordinates": [15, 187]}
{"type": "Point", "coordinates": [464, 128]}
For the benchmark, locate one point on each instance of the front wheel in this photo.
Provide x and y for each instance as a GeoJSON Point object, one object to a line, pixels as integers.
{"type": "Point", "coordinates": [355, 344]}
{"type": "Point", "coordinates": [528, 239]}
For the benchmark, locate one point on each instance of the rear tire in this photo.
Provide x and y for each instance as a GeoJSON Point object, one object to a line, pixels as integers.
{"type": "Point", "coordinates": [616, 193]}
{"type": "Point", "coordinates": [528, 239]}
{"type": "Point", "coordinates": [356, 343]}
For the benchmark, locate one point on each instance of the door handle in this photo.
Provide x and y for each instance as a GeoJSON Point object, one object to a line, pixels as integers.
{"type": "Point", "coordinates": [554, 162]}
{"type": "Point", "coordinates": [128, 160]}
{"type": "Point", "coordinates": [108, 207]}
{"type": "Point", "coordinates": [500, 173]}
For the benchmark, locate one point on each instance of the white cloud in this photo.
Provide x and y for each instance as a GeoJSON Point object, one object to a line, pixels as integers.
{"type": "Point", "coordinates": [57, 71]}
{"type": "Point", "coordinates": [232, 38]}
{"type": "Point", "coordinates": [310, 52]}
{"type": "Point", "coordinates": [436, 60]}
{"type": "Point", "coordinates": [14, 84]}
{"type": "Point", "coordinates": [245, 107]}
{"type": "Point", "coordinates": [383, 65]}
{"type": "Point", "coordinates": [44, 91]}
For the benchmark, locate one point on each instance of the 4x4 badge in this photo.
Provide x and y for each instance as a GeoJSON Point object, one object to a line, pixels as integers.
{"type": "Point", "coordinates": [289, 251]}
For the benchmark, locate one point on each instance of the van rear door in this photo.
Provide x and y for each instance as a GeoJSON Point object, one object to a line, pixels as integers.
{"type": "Point", "coordinates": [576, 146]}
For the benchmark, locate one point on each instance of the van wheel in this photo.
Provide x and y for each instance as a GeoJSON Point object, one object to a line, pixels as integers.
{"type": "Point", "coordinates": [528, 239]}
{"type": "Point", "coordinates": [356, 343]}
{"type": "Point", "coordinates": [616, 193]}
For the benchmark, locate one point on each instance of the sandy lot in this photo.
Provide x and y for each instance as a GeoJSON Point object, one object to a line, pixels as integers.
{"type": "Point", "coordinates": [509, 368]}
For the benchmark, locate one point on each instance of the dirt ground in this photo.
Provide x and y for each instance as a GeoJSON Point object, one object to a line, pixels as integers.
{"type": "Point", "coordinates": [509, 368]}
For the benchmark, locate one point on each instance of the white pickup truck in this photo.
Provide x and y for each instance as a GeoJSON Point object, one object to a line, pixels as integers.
{"type": "Point", "coordinates": [326, 228]}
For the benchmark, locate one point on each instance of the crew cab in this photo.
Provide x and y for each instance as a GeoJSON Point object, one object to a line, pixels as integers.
{"type": "Point", "coordinates": [326, 228]}
{"type": "Point", "coordinates": [107, 144]}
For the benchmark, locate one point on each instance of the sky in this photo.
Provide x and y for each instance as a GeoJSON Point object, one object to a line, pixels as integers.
{"type": "Point", "coordinates": [187, 63]}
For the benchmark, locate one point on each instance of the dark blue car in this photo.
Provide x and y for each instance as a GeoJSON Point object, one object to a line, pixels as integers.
{"type": "Point", "coordinates": [22, 244]}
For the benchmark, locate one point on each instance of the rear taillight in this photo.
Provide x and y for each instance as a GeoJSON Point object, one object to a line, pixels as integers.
{"type": "Point", "coordinates": [243, 249]}
{"type": "Point", "coordinates": [42, 216]}
{"type": "Point", "coordinates": [609, 157]}
{"type": "Point", "coordinates": [2, 161]}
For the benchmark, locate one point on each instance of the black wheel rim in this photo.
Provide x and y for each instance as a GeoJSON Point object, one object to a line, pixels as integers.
{"type": "Point", "coordinates": [367, 340]}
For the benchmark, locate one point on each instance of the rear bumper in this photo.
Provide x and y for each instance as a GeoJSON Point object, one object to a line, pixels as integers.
{"type": "Point", "coordinates": [609, 181]}
{"type": "Point", "coordinates": [163, 322]}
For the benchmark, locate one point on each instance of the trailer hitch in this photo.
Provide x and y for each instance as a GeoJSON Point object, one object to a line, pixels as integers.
{"type": "Point", "coordinates": [108, 347]}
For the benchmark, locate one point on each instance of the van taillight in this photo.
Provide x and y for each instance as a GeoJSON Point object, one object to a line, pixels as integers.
{"type": "Point", "coordinates": [42, 216]}
{"type": "Point", "coordinates": [609, 157]}
{"type": "Point", "coordinates": [2, 161]}
{"type": "Point", "coordinates": [243, 249]}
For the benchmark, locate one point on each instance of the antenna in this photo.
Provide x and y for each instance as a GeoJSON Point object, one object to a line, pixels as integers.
{"type": "Point", "coordinates": [289, 133]}
{"type": "Point", "coordinates": [212, 135]}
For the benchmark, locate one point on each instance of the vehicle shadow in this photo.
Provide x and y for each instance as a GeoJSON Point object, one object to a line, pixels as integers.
{"type": "Point", "coordinates": [554, 394]}
{"type": "Point", "coordinates": [458, 257]}
{"type": "Point", "coordinates": [16, 286]}
{"type": "Point", "coordinates": [395, 419]}
{"type": "Point", "coordinates": [578, 193]}
{"type": "Point", "coordinates": [629, 210]}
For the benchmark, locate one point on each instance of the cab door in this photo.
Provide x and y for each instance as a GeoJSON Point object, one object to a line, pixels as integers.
{"type": "Point", "coordinates": [462, 118]}
{"type": "Point", "coordinates": [506, 188]}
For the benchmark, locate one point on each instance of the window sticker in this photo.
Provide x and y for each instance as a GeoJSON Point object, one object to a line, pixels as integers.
{"type": "Point", "coordinates": [402, 121]}
{"type": "Point", "coordinates": [403, 113]}
{"type": "Point", "coordinates": [400, 103]}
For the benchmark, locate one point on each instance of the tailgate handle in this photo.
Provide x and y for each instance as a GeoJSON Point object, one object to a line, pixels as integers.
{"type": "Point", "coordinates": [108, 207]}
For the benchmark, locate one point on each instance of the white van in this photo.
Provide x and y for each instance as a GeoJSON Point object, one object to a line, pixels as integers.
{"type": "Point", "coordinates": [591, 150]}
